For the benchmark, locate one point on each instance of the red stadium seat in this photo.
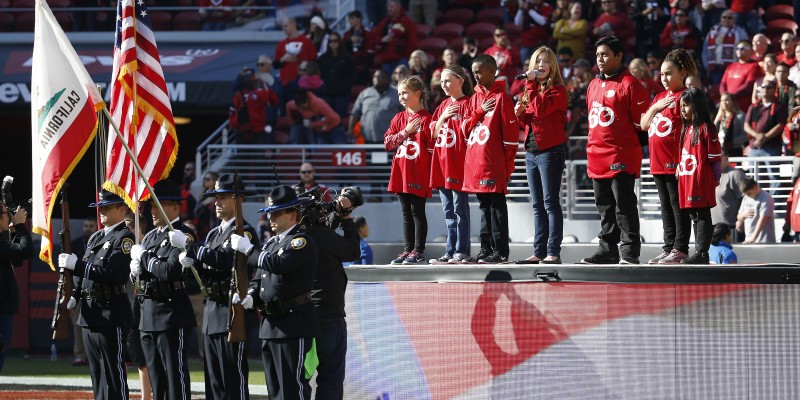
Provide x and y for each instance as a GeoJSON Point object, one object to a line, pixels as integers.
{"type": "Point", "coordinates": [187, 21]}
{"type": "Point", "coordinates": [24, 22]}
{"type": "Point", "coordinates": [513, 30]}
{"type": "Point", "coordinates": [432, 45]}
{"type": "Point", "coordinates": [23, 3]}
{"type": "Point", "coordinates": [493, 16]}
{"type": "Point", "coordinates": [485, 43]}
{"type": "Point", "coordinates": [481, 30]}
{"type": "Point", "coordinates": [462, 16]}
{"type": "Point", "coordinates": [58, 3]}
{"type": "Point", "coordinates": [6, 22]}
{"type": "Point", "coordinates": [448, 31]}
{"type": "Point", "coordinates": [5, 3]}
{"type": "Point", "coordinates": [457, 44]}
{"type": "Point", "coordinates": [423, 31]}
{"type": "Point", "coordinates": [161, 20]}
{"type": "Point", "coordinates": [779, 11]}
{"type": "Point", "coordinates": [782, 26]}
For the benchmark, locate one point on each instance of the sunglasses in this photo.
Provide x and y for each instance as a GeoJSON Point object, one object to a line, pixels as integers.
{"type": "Point", "coordinates": [306, 172]}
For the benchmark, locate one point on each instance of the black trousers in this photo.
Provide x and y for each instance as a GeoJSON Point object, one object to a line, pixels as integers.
{"type": "Point", "coordinates": [616, 203]}
{"type": "Point", "coordinates": [167, 363]}
{"type": "Point", "coordinates": [703, 227]}
{"type": "Point", "coordinates": [283, 368]}
{"type": "Point", "coordinates": [677, 225]}
{"type": "Point", "coordinates": [415, 222]}
{"type": "Point", "coordinates": [105, 348]}
{"type": "Point", "coordinates": [227, 368]}
{"type": "Point", "coordinates": [494, 222]}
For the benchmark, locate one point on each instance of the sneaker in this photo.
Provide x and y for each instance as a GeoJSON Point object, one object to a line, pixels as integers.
{"type": "Point", "coordinates": [600, 258]}
{"type": "Point", "coordinates": [700, 257]}
{"type": "Point", "coordinates": [460, 258]}
{"type": "Point", "coordinates": [400, 258]}
{"type": "Point", "coordinates": [441, 260]}
{"type": "Point", "coordinates": [481, 255]}
{"type": "Point", "coordinates": [552, 260]}
{"type": "Point", "coordinates": [629, 260]}
{"type": "Point", "coordinates": [494, 258]}
{"type": "Point", "coordinates": [659, 257]}
{"type": "Point", "coordinates": [414, 258]}
{"type": "Point", "coordinates": [675, 257]}
{"type": "Point", "coordinates": [530, 260]}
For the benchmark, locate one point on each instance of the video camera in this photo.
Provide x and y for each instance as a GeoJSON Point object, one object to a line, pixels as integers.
{"type": "Point", "coordinates": [317, 211]}
{"type": "Point", "coordinates": [8, 200]}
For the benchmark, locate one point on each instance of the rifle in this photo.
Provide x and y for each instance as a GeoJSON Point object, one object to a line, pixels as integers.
{"type": "Point", "coordinates": [61, 324]}
{"type": "Point", "coordinates": [239, 283]}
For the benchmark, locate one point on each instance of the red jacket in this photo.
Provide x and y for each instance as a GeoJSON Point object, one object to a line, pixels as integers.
{"type": "Point", "coordinates": [255, 102]}
{"type": "Point", "coordinates": [403, 39]}
{"type": "Point", "coordinates": [533, 34]}
{"type": "Point", "coordinates": [411, 165]}
{"type": "Point", "coordinates": [507, 61]}
{"type": "Point", "coordinates": [546, 115]}
{"type": "Point", "coordinates": [302, 47]}
{"type": "Point", "coordinates": [620, 23]}
{"type": "Point", "coordinates": [447, 165]}
{"type": "Point", "coordinates": [492, 142]}
{"type": "Point", "coordinates": [615, 106]}
{"type": "Point", "coordinates": [793, 208]}
{"type": "Point", "coordinates": [691, 38]}
{"type": "Point", "coordinates": [738, 80]}
{"type": "Point", "coordinates": [665, 136]}
{"type": "Point", "coordinates": [696, 183]}
{"type": "Point", "coordinates": [322, 116]}
{"type": "Point", "coordinates": [790, 60]}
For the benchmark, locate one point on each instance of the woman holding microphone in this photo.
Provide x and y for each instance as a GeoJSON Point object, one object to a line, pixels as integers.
{"type": "Point", "coordinates": [542, 111]}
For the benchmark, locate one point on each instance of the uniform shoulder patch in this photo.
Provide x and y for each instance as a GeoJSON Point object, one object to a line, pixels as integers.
{"type": "Point", "coordinates": [249, 235]}
{"type": "Point", "coordinates": [298, 243]}
{"type": "Point", "coordinates": [127, 243]}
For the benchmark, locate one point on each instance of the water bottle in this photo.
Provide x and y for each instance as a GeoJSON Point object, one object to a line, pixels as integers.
{"type": "Point", "coordinates": [53, 352]}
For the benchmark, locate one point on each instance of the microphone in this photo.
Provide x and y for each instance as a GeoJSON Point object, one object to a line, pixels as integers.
{"type": "Point", "coordinates": [5, 189]}
{"type": "Point", "coordinates": [525, 75]}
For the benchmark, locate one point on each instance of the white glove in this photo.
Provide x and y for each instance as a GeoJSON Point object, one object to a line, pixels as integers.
{"type": "Point", "coordinates": [241, 244]}
{"type": "Point", "coordinates": [136, 252]}
{"type": "Point", "coordinates": [178, 239]}
{"type": "Point", "coordinates": [246, 303]}
{"type": "Point", "coordinates": [185, 260]}
{"type": "Point", "coordinates": [67, 261]}
{"type": "Point", "coordinates": [72, 303]}
{"type": "Point", "coordinates": [136, 268]}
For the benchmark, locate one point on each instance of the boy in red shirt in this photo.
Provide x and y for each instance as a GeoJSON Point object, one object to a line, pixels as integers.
{"type": "Point", "coordinates": [489, 160]}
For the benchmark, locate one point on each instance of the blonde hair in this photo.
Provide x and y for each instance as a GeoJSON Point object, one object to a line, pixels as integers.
{"type": "Point", "coordinates": [637, 64]}
{"type": "Point", "coordinates": [421, 55]}
{"type": "Point", "coordinates": [555, 71]}
{"type": "Point", "coordinates": [415, 84]}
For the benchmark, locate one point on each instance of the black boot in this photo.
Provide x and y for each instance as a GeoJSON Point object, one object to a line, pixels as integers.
{"type": "Point", "coordinates": [699, 257]}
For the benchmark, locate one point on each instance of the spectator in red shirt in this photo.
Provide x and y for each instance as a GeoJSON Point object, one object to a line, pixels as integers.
{"type": "Point", "coordinates": [787, 56]}
{"type": "Point", "coordinates": [533, 18]}
{"type": "Point", "coordinates": [315, 122]}
{"type": "Point", "coordinates": [248, 112]}
{"type": "Point", "coordinates": [506, 55]}
{"type": "Point", "coordinates": [396, 37]}
{"type": "Point", "coordinates": [680, 34]}
{"type": "Point", "coordinates": [616, 102]}
{"type": "Point", "coordinates": [699, 170]}
{"type": "Point", "coordinates": [720, 44]}
{"type": "Point", "coordinates": [739, 77]}
{"type": "Point", "coordinates": [289, 52]}
{"type": "Point", "coordinates": [409, 137]}
{"type": "Point", "coordinates": [614, 23]}
{"type": "Point", "coordinates": [664, 124]}
{"type": "Point", "coordinates": [358, 41]}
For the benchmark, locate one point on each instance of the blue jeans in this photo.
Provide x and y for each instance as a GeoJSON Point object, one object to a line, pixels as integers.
{"type": "Point", "coordinates": [771, 168]}
{"type": "Point", "coordinates": [544, 171]}
{"type": "Point", "coordinates": [456, 214]}
{"type": "Point", "coordinates": [331, 350]}
{"type": "Point", "coordinates": [5, 336]}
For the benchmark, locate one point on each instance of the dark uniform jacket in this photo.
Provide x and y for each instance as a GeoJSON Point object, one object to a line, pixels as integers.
{"type": "Point", "coordinates": [161, 268]}
{"type": "Point", "coordinates": [14, 249]}
{"type": "Point", "coordinates": [215, 259]}
{"type": "Point", "coordinates": [286, 269]}
{"type": "Point", "coordinates": [331, 281]}
{"type": "Point", "coordinates": [105, 267]}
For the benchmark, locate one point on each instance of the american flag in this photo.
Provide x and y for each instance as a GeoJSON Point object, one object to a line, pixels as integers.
{"type": "Point", "coordinates": [139, 106]}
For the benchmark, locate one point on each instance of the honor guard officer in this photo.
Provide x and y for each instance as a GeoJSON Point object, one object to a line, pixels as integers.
{"type": "Point", "coordinates": [281, 291]}
{"type": "Point", "coordinates": [226, 363]}
{"type": "Point", "coordinates": [166, 311]}
{"type": "Point", "coordinates": [105, 313]}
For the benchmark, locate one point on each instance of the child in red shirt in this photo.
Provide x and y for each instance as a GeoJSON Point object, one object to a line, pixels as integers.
{"type": "Point", "coordinates": [447, 166]}
{"type": "Point", "coordinates": [699, 170]}
{"type": "Point", "coordinates": [489, 160]}
{"type": "Point", "coordinates": [409, 136]}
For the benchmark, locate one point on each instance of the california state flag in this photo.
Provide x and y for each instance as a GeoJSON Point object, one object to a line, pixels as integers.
{"type": "Point", "coordinates": [64, 102]}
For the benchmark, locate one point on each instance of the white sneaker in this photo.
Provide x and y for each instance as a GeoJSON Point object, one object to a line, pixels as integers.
{"type": "Point", "coordinates": [658, 258]}
{"type": "Point", "coordinates": [459, 258]}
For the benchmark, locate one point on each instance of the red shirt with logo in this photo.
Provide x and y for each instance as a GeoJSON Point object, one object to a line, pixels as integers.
{"type": "Point", "coordinates": [507, 59]}
{"type": "Point", "coordinates": [696, 182]}
{"type": "Point", "coordinates": [447, 165]}
{"type": "Point", "coordinates": [615, 107]}
{"type": "Point", "coordinates": [492, 141]}
{"type": "Point", "coordinates": [411, 165]}
{"type": "Point", "coordinates": [664, 136]}
{"type": "Point", "coordinates": [302, 47]}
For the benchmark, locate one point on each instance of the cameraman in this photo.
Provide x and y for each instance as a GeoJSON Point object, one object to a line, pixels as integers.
{"type": "Point", "coordinates": [248, 111]}
{"type": "Point", "coordinates": [328, 295]}
{"type": "Point", "coordinates": [16, 245]}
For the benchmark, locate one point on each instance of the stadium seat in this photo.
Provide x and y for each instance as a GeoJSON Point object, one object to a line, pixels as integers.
{"type": "Point", "coordinates": [433, 45]}
{"type": "Point", "coordinates": [58, 3]}
{"type": "Point", "coordinates": [513, 30]}
{"type": "Point", "coordinates": [161, 20]}
{"type": "Point", "coordinates": [462, 16]}
{"type": "Point", "coordinates": [423, 31]}
{"type": "Point", "coordinates": [23, 3]}
{"type": "Point", "coordinates": [187, 21]}
{"type": "Point", "coordinates": [485, 43]}
{"type": "Point", "coordinates": [781, 26]}
{"type": "Point", "coordinates": [493, 16]}
{"type": "Point", "coordinates": [481, 30]}
{"type": "Point", "coordinates": [6, 22]}
{"type": "Point", "coordinates": [5, 3]}
{"type": "Point", "coordinates": [24, 22]}
{"type": "Point", "coordinates": [65, 20]}
{"type": "Point", "coordinates": [779, 11]}
{"type": "Point", "coordinates": [457, 44]}
{"type": "Point", "coordinates": [448, 31]}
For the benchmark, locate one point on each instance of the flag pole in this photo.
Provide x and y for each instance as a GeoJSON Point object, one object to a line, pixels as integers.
{"type": "Point", "coordinates": [133, 155]}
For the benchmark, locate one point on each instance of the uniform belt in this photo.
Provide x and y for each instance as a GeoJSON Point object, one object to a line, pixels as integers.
{"type": "Point", "coordinates": [102, 292]}
{"type": "Point", "coordinates": [277, 308]}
